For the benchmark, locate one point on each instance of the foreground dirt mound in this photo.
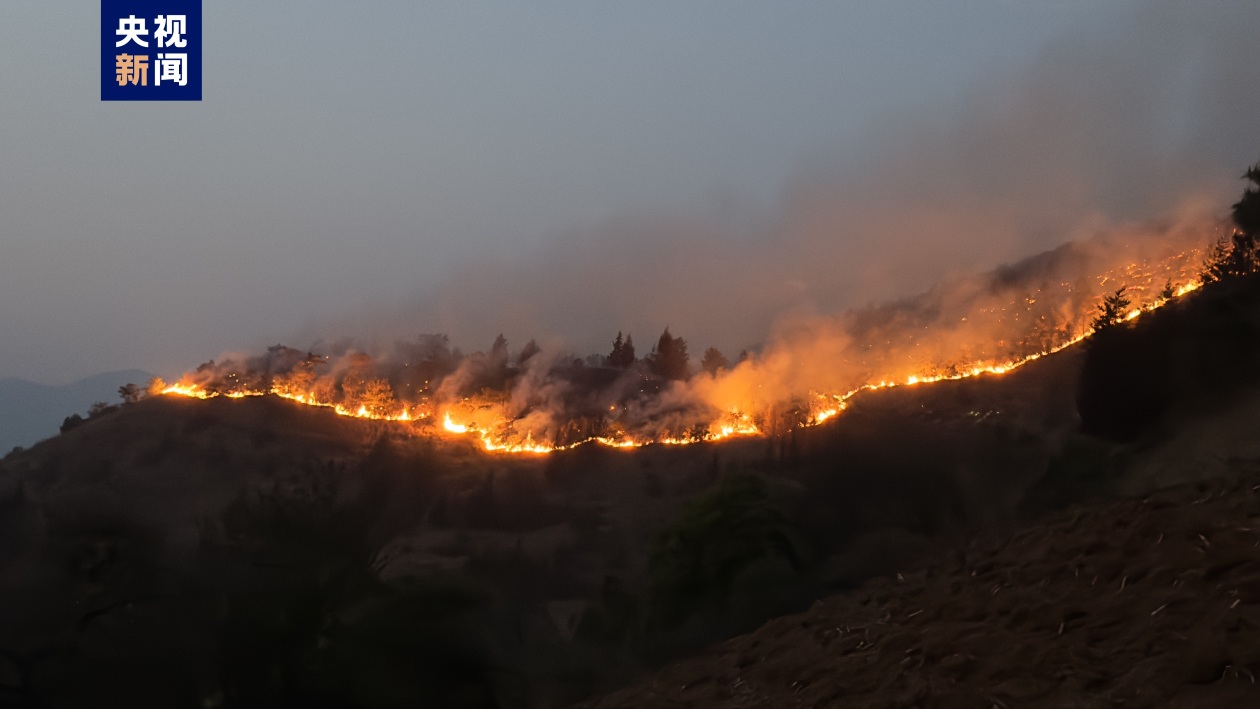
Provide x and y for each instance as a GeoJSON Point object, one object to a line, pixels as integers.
{"type": "Point", "coordinates": [1144, 602]}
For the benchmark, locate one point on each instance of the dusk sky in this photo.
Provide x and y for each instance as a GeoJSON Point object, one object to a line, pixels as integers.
{"type": "Point", "coordinates": [570, 169]}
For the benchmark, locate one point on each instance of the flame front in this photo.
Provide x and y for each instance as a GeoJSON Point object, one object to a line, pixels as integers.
{"type": "Point", "coordinates": [1052, 318]}
{"type": "Point", "coordinates": [452, 426]}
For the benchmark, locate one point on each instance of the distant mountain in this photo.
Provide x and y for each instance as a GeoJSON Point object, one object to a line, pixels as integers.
{"type": "Point", "coordinates": [31, 412]}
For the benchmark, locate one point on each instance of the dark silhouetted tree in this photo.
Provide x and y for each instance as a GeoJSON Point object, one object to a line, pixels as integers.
{"type": "Point", "coordinates": [614, 357]}
{"type": "Point", "coordinates": [1168, 291]}
{"type": "Point", "coordinates": [622, 355]}
{"type": "Point", "coordinates": [429, 358]}
{"type": "Point", "coordinates": [499, 352]}
{"type": "Point", "coordinates": [669, 360]}
{"type": "Point", "coordinates": [130, 393]}
{"type": "Point", "coordinates": [1112, 310]}
{"type": "Point", "coordinates": [71, 422]}
{"type": "Point", "coordinates": [1239, 254]}
{"type": "Point", "coordinates": [1231, 256]}
{"type": "Point", "coordinates": [1214, 264]}
{"type": "Point", "coordinates": [277, 360]}
{"type": "Point", "coordinates": [713, 360]}
{"type": "Point", "coordinates": [697, 559]}
{"type": "Point", "coordinates": [527, 352]}
{"type": "Point", "coordinates": [1246, 211]}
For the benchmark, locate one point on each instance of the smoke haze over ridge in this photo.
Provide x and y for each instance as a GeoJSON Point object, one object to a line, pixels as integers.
{"type": "Point", "coordinates": [500, 196]}
{"type": "Point", "coordinates": [1097, 136]}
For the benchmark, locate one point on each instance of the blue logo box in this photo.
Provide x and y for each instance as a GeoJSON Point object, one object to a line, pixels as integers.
{"type": "Point", "coordinates": [150, 50]}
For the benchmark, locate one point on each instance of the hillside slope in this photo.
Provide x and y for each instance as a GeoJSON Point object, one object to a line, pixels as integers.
{"type": "Point", "coordinates": [256, 552]}
{"type": "Point", "coordinates": [1152, 601]}
{"type": "Point", "coordinates": [157, 553]}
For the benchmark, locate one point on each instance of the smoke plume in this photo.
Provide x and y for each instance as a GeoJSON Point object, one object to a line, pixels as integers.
{"type": "Point", "coordinates": [1149, 118]}
{"type": "Point", "coordinates": [1112, 158]}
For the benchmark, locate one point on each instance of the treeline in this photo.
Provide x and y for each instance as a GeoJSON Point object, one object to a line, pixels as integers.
{"type": "Point", "coordinates": [524, 396]}
{"type": "Point", "coordinates": [1135, 375]}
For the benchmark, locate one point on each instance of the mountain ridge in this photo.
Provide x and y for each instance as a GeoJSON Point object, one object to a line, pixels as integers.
{"type": "Point", "coordinates": [32, 411]}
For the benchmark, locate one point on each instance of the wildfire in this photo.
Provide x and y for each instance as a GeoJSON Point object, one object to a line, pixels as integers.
{"type": "Point", "coordinates": [452, 426]}
{"type": "Point", "coordinates": [494, 426]}
{"type": "Point", "coordinates": [737, 424]}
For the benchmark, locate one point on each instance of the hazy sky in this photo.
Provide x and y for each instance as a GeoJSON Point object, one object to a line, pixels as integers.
{"type": "Point", "coordinates": [393, 167]}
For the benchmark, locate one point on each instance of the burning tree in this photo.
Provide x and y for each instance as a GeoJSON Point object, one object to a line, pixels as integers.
{"type": "Point", "coordinates": [989, 324]}
{"type": "Point", "coordinates": [157, 385]}
{"type": "Point", "coordinates": [299, 380]}
{"type": "Point", "coordinates": [355, 382]}
{"type": "Point", "coordinates": [377, 397]}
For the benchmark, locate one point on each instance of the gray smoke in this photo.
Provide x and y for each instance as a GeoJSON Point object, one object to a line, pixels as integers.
{"type": "Point", "coordinates": [1096, 136]}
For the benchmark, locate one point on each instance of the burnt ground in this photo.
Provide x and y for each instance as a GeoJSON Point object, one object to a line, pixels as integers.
{"type": "Point", "coordinates": [1151, 601]}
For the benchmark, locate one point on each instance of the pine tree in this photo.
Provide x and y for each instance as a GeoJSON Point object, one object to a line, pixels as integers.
{"type": "Point", "coordinates": [622, 355]}
{"type": "Point", "coordinates": [713, 361]}
{"type": "Point", "coordinates": [1239, 254]}
{"type": "Point", "coordinates": [1231, 257]}
{"type": "Point", "coordinates": [499, 351]}
{"type": "Point", "coordinates": [1112, 310]}
{"type": "Point", "coordinates": [618, 352]}
{"type": "Point", "coordinates": [670, 360]}
{"type": "Point", "coordinates": [1246, 211]}
{"type": "Point", "coordinates": [530, 349]}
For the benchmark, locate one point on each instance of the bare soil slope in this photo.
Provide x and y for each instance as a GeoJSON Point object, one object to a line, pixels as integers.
{"type": "Point", "coordinates": [1150, 601]}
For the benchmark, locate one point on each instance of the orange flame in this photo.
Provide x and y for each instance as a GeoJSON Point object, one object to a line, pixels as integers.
{"type": "Point", "coordinates": [823, 406]}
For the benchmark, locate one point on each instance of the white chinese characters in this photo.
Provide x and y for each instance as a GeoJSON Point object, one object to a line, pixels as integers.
{"type": "Point", "coordinates": [171, 26]}
{"type": "Point", "coordinates": [130, 28]}
{"type": "Point", "coordinates": [171, 67]}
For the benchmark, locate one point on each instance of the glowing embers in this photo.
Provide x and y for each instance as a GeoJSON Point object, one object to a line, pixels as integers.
{"type": "Point", "coordinates": [761, 396]}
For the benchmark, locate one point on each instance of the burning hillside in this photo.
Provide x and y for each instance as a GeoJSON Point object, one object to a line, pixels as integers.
{"type": "Point", "coordinates": [535, 401]}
